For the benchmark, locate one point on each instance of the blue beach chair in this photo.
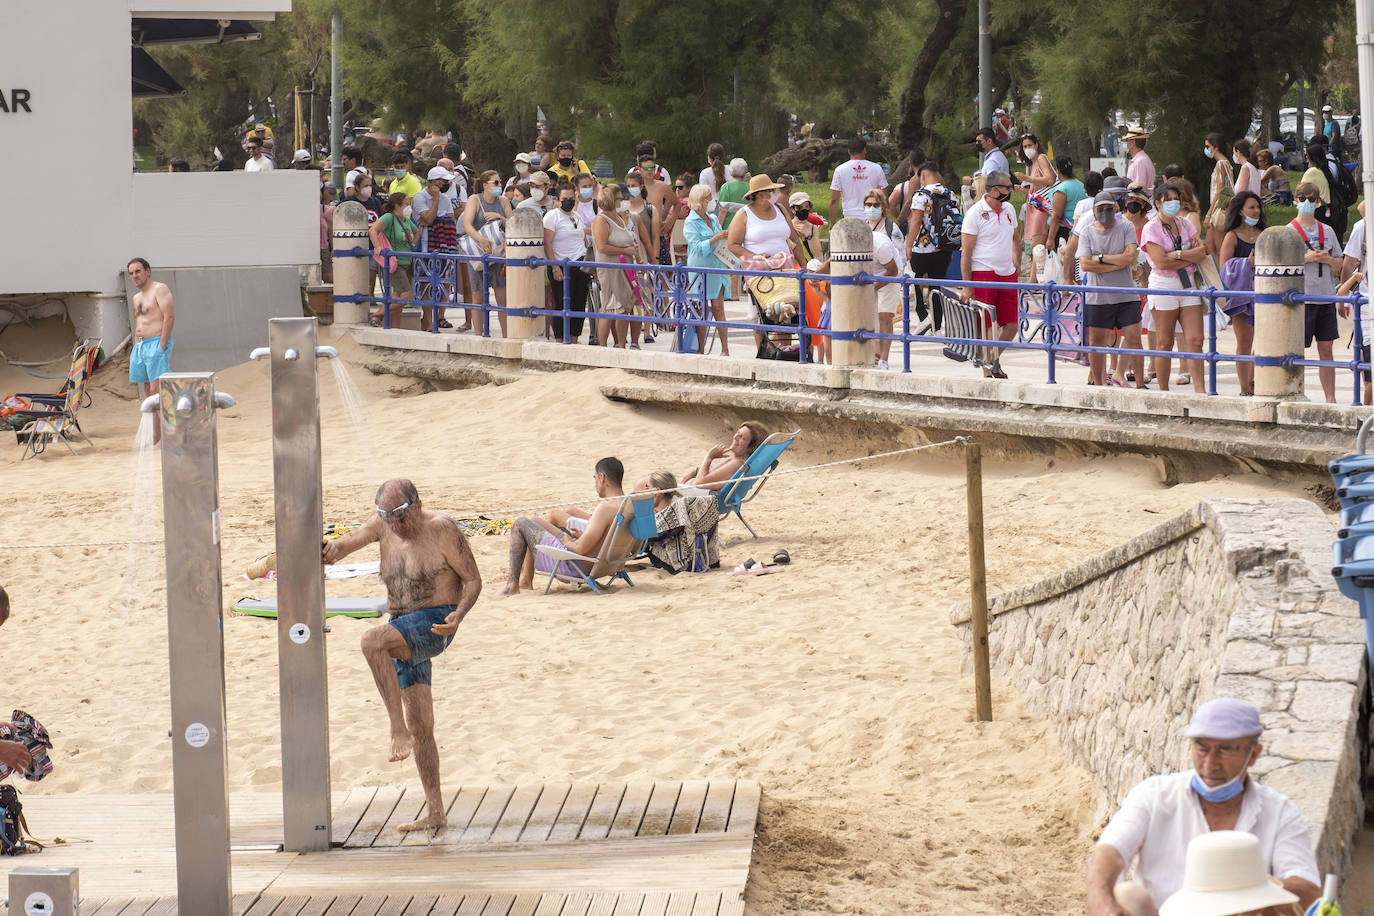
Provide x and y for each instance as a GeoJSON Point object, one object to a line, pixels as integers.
{"type": "Point", "coordinates": [750, 478]}
{"type": "Point", "coordinates": [634, 526]}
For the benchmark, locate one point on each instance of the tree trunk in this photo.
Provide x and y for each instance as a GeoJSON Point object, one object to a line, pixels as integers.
{"type": "Point", "coordinates": [912, 129]}
{"type": "Point", "coordinates": [820, 155]}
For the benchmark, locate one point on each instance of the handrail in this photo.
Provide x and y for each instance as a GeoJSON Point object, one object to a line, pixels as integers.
{"type": "Point", "coordinates": [1049, 297]}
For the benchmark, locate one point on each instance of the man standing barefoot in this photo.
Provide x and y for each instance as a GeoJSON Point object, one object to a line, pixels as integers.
{"type": "Point", "coordinates": [431, 584]}
{"type": "Point", "coordinates": [154, 316]}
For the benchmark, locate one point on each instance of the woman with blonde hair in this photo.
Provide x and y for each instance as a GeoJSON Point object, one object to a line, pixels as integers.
{"type": "Point", "coordinates": [614, 238]}
{"type": "Point", "coordinates": [704, 233]}
{"type": "Point", "coordinates": [687, 525]}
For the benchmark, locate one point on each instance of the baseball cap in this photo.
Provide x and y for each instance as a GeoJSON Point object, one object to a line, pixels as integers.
{"type": "Point", "coordinates": [301, 156]}
{"type": "Point", "coordinates": [1325, 108]}
{"type": "Point", "coordinates": [798, 198]}
{"type": "Point", "coordinates": [523, 157]}
{"type": "Point", "coordinates": [1104, 197]}
{"type": "Point", "coordinates": [439, 173]}
{"type": "Point", "coordinates": [1224, 719]}
{"type": "Point", "coordinates": [540, 178]}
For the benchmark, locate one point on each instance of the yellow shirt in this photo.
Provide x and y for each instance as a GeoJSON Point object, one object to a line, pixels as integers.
{"type": "Point", "coordinates": [1318, 177]}
{"type": "Point", "coordinates": [410, 185]}
{"type": "Point", "coordinates": [252, 134]}
{"type": "Point", "coordinates": [560, 173]}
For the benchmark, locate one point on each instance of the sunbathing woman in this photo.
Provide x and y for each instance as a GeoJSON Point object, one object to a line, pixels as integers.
{"type": "Point", "coordinates": [722, 461]}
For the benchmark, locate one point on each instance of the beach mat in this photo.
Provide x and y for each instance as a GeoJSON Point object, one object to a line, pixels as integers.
{"type": "Point", "coordinates": [333, 607]}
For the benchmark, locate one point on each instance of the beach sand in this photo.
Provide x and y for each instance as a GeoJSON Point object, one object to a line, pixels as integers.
{"type": "Point", "coordinates": [837, 684]}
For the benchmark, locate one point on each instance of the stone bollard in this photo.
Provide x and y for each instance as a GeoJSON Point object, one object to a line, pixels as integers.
{"type": "Point", "coordinates": [524, 285]}
{"type": "Point", "coordinates": [852, 307]}
{"type": "Point", "coordinates": [350, 274]}
{"type": "Point", "coordinates": [1278, 326]}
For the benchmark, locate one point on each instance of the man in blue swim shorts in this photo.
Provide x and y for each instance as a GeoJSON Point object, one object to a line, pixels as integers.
{"type": "Point", "coordinates": [431, 584]}
{"type": "Point", "coordinates": [154, 316]}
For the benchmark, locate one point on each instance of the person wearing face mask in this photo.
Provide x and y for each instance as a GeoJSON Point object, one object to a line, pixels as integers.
{"type": "Point", "coordinates": [522, 170]}
{"type": "Point", "coordinates": [993, 159]}
{"type": "Point", "coordinates": [433, 211]}
{"type": "Point", "coordinates": [566, 166]}
{"type": "Point", "coordinates": [888, 259]}
{"type": "Point", "coordinates": [1173, 249]}
{"type": "Point", "coordinates": [615, 238]}
{"type": "Point", "coordinates": [484, 222]}
{"type": "Point", "coordinates": [761, 236]}
{"type": "Point", "coordinates": [1161, 815]}
{"type": "Point", "coordinates": [1247, 175]}
{"type": "Point", "coordinates": [807, 223]}
{"type": "Point", "coordinates": [1036, 183]}
{"type": "Point", "coordinates": [1244, 223]}
{"type": "Point", "coordinates": [1223, 188]}
{"type": "Point", "coordinates": [1331, 129]}
{"type": "Point", "coordinates": [704, 235]}
{"type": "Point", "coordinates": [1140, 168]}
{"type": "Point", "coordinates": [1106, 250]}
{"type": "Point", "coordinates": [403, 179]}
{"type": "Point", "coordinates": [853, 179]}
{"type": "Point", "coordinates": [564, 238]}
{"type": "Point", "coordinates": [395, 231]}
{"type": "Point", "coordinates": [539, 198]}
{"type": "Point", "coordinates": [1321, 274]}
{"type": "Point", "coordinates": [991, 248]}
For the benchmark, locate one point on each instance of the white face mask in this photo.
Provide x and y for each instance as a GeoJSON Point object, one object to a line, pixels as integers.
{"type": "Point", "coordinates": [536, 194]}
{"type": "Point", "coordinates": [365, 193]}
{"type": "Point", "coordinates": [521, 168]}
{"type": "Point", "coordinates": [623, 206]}
{"type": "Point", "coordinates": [405, 212]}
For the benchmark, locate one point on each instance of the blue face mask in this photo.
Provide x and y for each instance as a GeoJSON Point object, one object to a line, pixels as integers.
{"type": "Point", "coordinates": [634, 190]}
{"type": "Point", "coordinates": [1207, 151]}
{"type": "Point", "coordinates": [872, 213]}
{"type": "Point", "coordinates": [586, 193]}
{"type": "Point", "coordinates": [1222, 793]}
{"type": "Point", "coordinates": [1170, 208]}
{"type": "Point", "coordinates": [1307, 207]}
{"type": "Point", "coordinates": [1251, 220]}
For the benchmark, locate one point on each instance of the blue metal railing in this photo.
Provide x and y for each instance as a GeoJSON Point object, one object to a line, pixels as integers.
{"type": "Point", "coordinates": [682, 288]}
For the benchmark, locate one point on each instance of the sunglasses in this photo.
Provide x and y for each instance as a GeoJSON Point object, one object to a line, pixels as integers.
{"type": "Point", "coordinates": [1007, 186]}
{"type": "Point", "coordinates": [394, 514]}
{"type": "Point", "coordinates": [679, 187]}
{"type": "Point", "coordinates": [1315, 200]}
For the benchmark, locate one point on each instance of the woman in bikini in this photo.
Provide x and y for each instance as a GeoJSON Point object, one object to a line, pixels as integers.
{"type": "Point", "coordinates": [722, 461]}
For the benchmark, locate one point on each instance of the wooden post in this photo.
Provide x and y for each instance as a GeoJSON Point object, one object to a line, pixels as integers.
{"type": "Point", "coordinates": [978, 580]}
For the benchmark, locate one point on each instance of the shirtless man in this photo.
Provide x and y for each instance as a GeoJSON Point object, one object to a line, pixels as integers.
{"type": "Point", "coordinates": [431, 584]}
{"type": "Point", "coordinates": [153, 319]}
{"type": "Point", "coordinates": [660, 196]}
{"type": "Point", "coordinates": [722, 461]}
{"type": "Point", "coordinates": [568, 528]}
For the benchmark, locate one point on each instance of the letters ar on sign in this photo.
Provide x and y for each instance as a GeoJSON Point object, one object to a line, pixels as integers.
{"type": "Point", "coordinates": [18, 101]}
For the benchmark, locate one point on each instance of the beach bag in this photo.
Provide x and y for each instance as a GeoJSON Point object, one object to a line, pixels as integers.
{"type": "Point", "coordinates": [1237, 274]}
{"type": "Point", "coordinates": [947, 225]}
{"type": "Point", "coordinates": [777, 298]}
{"type": "Point", "coordinates": [15, 839]}
{"type": "Point", "coordinates": [1344, 187]}
{"type": "Point", "coordinates": [26, 730]}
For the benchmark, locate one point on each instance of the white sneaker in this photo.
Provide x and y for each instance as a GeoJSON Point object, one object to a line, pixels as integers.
{"type": "Point", "coordinates": [882, 364]}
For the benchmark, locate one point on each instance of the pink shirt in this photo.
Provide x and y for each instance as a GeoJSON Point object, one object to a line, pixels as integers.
{"type": "Point", "coordinates": [1170, 240]}
{"type": "Point", "coordinates": [1141, 169]}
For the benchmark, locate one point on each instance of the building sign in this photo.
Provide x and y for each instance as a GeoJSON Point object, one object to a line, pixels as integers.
{"type": "Point", "coordinates": [18, 101]}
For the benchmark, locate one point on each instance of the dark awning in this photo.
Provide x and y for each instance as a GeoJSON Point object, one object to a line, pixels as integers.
{"type": "Point", "coordinates": [150, 80]}
{"type": "Point", "coordinates": [152, 31]}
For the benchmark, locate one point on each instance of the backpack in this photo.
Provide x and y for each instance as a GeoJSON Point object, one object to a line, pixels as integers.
{"type": "Point", "coordinates": [14, 830]}
{"type": "Point", "coordinates": [946, 223]}
{"type": "Point", "coordinates": [1307, 242]}
{"type": "Point", "coordinates": [1344, 187]}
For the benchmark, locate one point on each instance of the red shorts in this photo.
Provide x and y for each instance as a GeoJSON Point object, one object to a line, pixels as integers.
{"type": "Point", "coordinates": [1003, 300]}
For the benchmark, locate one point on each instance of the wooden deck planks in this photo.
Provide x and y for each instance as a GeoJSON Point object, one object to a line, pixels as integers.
{"type": "Point", "coordinates": [487, 815]}
{"type": "Point", "coordinates": [632, 807]}
{"type": "Point", "coordinates": [408, 808]}
{"type": "Point", "coordinates": [715, 811]}
{"type": "Point", "coordinates": [658, 814]}
{"type": "Point", "coordinates": [374, 818]}
{"type": "Point", "coordinates": [706, 905]}
{"type": "Point", "coordinates": [517, 813]}
{"type": "Point", "coordinates": [744, 812]}
{"type": "Point", "coordinates": [687, 814]}
{"type": "Point", "coordinates": [681, 904]}
{"type": "Point", "coordinates": [545, 812]}
{"type": "Point", "coordinates": [460, 814]}
{"type": "Point", "coordinates": [601, 815]}
{"type": "Point", "coordinates": [348, 812]}
{"type": "Point", "coordinates": [574, 813]}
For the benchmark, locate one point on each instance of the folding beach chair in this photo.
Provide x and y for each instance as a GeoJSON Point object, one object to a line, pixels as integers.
{"type": "Point", "coordinates": [970, 320]}
{"type": "Point", "coordinates": [53, 417]}
{"type": "Point", "coordinates": [40, 404]}
{"type": "Point", "coordinates": [752, 475]}
{"type": "Point", "coordinates": [634, 526]}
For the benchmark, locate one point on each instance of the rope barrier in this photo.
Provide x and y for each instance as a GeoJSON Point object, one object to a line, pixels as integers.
{"type": "Point", "coordinates": [525, 510]}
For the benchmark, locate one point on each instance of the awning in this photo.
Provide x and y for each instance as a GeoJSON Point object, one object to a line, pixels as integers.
{"type": "Point", "coordinates": [150, 80]}
{"type": "Point", "coordinates": [150, 31]}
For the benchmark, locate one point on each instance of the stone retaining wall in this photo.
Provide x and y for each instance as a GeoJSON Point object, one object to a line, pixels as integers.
{"type": "Point", "coordinates": [1234, 598]}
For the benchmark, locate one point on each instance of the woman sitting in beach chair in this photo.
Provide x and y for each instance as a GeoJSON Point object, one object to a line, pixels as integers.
{"type": "Point", "coordinates": [722, 461]}
{"type": "Point", "coordinates": [687, 540]}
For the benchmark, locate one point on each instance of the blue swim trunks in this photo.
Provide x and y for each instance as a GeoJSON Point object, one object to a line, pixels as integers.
{"type": "Point", "coordinates": [424, 644]}
{"type": "Point", "coordinates": [148, 361]}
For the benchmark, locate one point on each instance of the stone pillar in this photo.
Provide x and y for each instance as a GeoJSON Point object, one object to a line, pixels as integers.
{"type": "Point", "coordinates": [524, 285]}
{"type": "Point", "coordinates": [1278, 326]}
{"type": "Point", "coordinates": [350, 274]}
{"type": "Point", "coordinates": [852, 307]}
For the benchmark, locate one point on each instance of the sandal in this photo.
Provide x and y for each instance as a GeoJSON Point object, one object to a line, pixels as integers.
{"type": "Point", "coordinates": [782, 557]}
{"type": "Point", "coordinates": [375, 320]}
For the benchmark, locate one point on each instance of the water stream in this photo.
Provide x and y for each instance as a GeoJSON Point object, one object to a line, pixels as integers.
{"type": "Point", "coordinates": [143, 516]}
{"type": "Point", "coordinates": [360, 420]}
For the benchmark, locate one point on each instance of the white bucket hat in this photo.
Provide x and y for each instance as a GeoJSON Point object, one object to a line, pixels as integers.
{"type": "Point", "coordinates": [1224, 875]}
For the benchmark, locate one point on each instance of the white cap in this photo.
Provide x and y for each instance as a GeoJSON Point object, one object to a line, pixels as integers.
{"type": "Point", "coordinates": [1325, 108]}
{"type": "Point", "coordinates": [352, 176]}
{"type": "Point", "coordinates": [301, 156]}
{"type": "Point", "coordinates": [523, 157]}
{"type": "Point", "coordinates": [439, 173]}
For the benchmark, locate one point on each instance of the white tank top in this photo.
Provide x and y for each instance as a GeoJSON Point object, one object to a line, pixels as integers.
{"type": "Point", "coordinates": [766, 236]}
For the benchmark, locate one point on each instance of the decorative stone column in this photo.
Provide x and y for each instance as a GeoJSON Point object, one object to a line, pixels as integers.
{"type": "Point", "coordinates": [524, 285]}
{"type": "Point", "coordinates": [1278, 325]}
{"type": "Point", "coordinates": [852, 307]}
{"type": "Point", "coordinates": [350, 274]}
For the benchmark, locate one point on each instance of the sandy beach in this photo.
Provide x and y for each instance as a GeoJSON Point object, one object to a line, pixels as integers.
{"type": "Point", "coordinates": [836, 685]}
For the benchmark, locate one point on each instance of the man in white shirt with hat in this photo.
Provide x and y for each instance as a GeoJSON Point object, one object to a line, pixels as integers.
{"type": "Point", "coordinates": [1164, 813]}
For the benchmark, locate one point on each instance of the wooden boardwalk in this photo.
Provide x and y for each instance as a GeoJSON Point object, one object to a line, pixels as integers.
{"type": "Point", "coordinates": [665, 848]}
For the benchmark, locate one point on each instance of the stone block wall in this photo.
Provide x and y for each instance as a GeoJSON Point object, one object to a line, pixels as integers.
{"type": "Point", "coordinates": [1234, 598]}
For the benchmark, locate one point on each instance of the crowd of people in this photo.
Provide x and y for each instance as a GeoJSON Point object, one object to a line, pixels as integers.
{"type": "Point", "coordinates": [1145, 230]}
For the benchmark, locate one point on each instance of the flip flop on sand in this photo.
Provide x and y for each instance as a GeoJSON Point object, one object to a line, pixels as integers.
{"type": "Point", "coordinates": [782, 557]}
{"type": "Point", "coordinates": [752, 567]}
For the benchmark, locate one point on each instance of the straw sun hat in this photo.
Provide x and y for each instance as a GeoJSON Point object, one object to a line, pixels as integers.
{"type": "Point", "coordinates": [1224, 875]}
{"type": "Point", "coordinates": [760, 183]}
